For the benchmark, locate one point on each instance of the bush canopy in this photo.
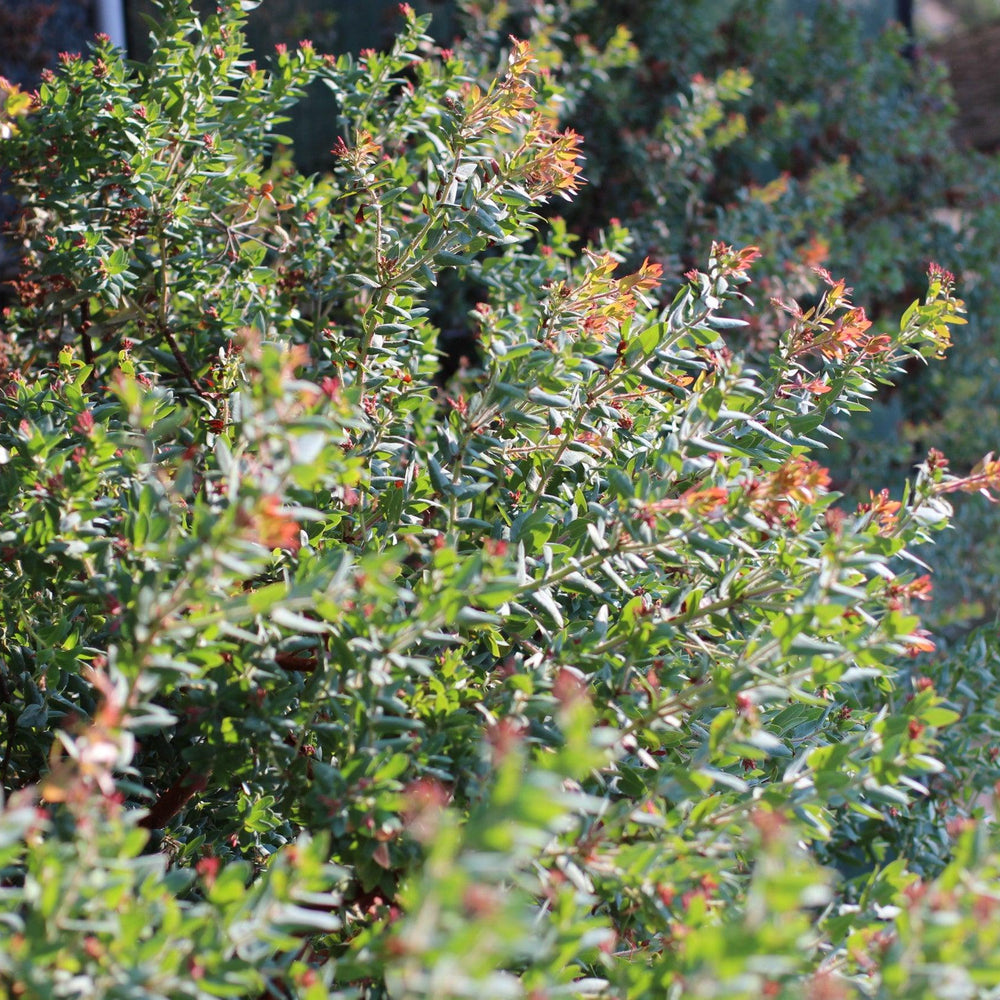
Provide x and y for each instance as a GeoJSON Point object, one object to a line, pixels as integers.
{"type": "Point", "coordinates": [552, 668]}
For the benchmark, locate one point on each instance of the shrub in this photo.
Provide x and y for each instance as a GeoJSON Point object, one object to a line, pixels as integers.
{"type": "Point", "coordinates": [794, 127]}
{"type": "Point", "coordinates": [328, 674]}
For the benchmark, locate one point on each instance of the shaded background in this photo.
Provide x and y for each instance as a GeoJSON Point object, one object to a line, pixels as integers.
{"type": "Point", "coordinates": [964, 33]}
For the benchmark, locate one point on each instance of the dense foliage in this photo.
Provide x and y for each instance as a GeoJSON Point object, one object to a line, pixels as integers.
{"type": "Point", "coordinates": [823, 144]}
{"type": "Point", "coordinates": [330, 671]}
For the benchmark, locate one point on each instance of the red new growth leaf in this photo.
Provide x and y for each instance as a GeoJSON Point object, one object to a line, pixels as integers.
{"type": "Point", "coordinates": [983, 479]}
{"type": "Point", "coordinates": [273, 525]}
{"type": "Point", "coordinates": [84, 423]}
{"type": "Point", "coordinates": [884, 510]}
{"type": "Point", "coordinates": [734, 263]}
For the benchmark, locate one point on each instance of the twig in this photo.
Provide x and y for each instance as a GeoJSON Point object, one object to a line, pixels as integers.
{"type": "Point", "coordinates": [170, 803]}
{"type": "Point", "coordinates": [85, 340]}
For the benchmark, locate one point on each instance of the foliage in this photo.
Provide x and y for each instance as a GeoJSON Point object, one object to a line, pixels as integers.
{"type": "Point", "coordinates": [328, 675]}
{"type": "Point", "coordinates": [752, 119]}
{"type": "Point", "coordinates": [823, 144]}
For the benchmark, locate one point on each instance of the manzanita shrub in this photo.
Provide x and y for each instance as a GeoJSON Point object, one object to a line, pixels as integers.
{"type": "Point", "coordinates": [329, 672]}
